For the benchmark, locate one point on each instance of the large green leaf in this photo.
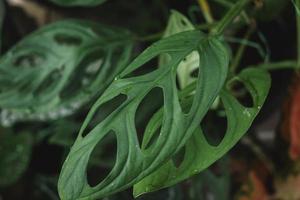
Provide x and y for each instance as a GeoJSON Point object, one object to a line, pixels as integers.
{"type": "Point", "coordinates": [133, 163]}
{"type": "Point", "coordinates": [56, 69]}
{"type": "Point", "coordinates": [15, 153]}
{"type": "Point", "coordinates": [199, 154]}
{"type": "Point", "coordinates": [78, 2]}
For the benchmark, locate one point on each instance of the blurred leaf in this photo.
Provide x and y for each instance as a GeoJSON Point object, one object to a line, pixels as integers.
{"type": "Point", "coordinates": [78, 2]}
{"type": "Point", "coordinates": [133, 163]}
{"type": "Point", "coordinates": [199, 154]}
{"type": "Point", "coordinates": [62, 133]}
{"type": "Point", "coordinates": [53, 71]}
{"type": "Point", "coordinates": [15, 153]}
{"type": "Point", "coordinates": [179, 23]}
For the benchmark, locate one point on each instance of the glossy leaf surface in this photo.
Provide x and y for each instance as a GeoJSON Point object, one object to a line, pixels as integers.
{"type": "Point", "coordinates": [199, 154]}
{"type": "Point", "coordinates": [132, 162]}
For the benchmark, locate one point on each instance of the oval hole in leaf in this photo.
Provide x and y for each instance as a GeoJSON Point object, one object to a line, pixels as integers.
{"type": "Point", "coordinates": [150, 66]}
{"type": "Point", "coordinates": [84, 74]}
{"type": "Point", "coordinates": [241, 93]}
{"type": "Point", "coordinates": [214, 126]}
{"type": "Point", "coordinates": [194, 73]}
{"type": "Point", "coordinates": [102, 159]}
{"type": "Point", "coordinates": [51, 79]}
{"type": "Point", "coordinates": [31, 59]}
{"type": "Point", "coordinates": [146, 109]}
{"type": "Point", "coordinates": [178, 157]}
{"type": "Point", "coordinates": [69, 40]}
{"type": "Point", "coordinates": [104, 111]}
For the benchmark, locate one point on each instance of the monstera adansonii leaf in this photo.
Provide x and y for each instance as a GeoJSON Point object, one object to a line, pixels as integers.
{"type": "Point", "coordinates": [198, 153]}
{"type": "Point", "coordinates": [133, 163]}
{"type": "Point", "coordinates": [56, 69]}
{"type": "Point", "coordinates": [88, 3]}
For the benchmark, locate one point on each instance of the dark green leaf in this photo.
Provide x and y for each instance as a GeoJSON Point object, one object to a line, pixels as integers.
{"type": "Point", "coordinates": [133, 163]}
{"type": "Point", "coordinates": [199, 154]}
{"type": "Point", "coordinates": [78, 2]}
{"type": "Point", "coordinates": [56, 69]}
{"type": "Point", "coordinates": [15, 153]}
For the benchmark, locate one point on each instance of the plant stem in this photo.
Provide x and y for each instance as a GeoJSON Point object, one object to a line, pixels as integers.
{"type": "Point", "coordinates": [206, 11]}
{"type": "Point", "coordinates": [297, 4]}
{"type": "Point", "coordinates": [230, 16]}
{"type": "Point", "coordinates": [157, 36]}
{"type": "Point", "coordinates": [286, 64]}
{"type": "Point", "coordinates": [239, 54]}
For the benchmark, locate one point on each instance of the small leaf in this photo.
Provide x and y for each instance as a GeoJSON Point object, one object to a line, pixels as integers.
{"type": "Point", "coordinates": [199, 154]}
{"type": "Point", "coordinates": [15, 153]}
{"type": "Point", "coordinates": [55, 70]}
{"type": "Point", "coordinates": [133, 163]}
{"type": "Point", "coordinates": [78, 2]}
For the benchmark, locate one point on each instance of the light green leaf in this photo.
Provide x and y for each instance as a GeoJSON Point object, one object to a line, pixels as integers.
{"type": "Point", "coordinates": [78, 2]}
{"type": "Point", "coordinates": [15, 153]}
{"type": "Point", "coordinates": [179, 23]}
{"type": "Point", "coordinates": [199, 154]}
{"type": "Point", "coordinates": [132, 163]}
{"type": "Point", "coordinates": [53, 71]}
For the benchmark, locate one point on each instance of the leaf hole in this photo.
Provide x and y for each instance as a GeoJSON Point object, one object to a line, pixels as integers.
{"type": "Point", "coordinates": [104, 111]}
{"type": "Point", "coordinates": [214, 126]}
{"type": "Point", "coordinates": [150, 66]}
{"type": "Point", "coordinates": [102, 159]}
{"type": "Point", "coordinates": [84, 75]}
{"type": "Point", "coordinates": [29, 60]}
{"type": "Point", "coordinates": [69, 40]}
{"type": "Point", "coordinates": [51, 80]}
{"type": "Point", "coordinates": [241, 93]}
{"type": "Point", "coordinates": [195, 73]}
{"type": "Point", "coordinates": [150, 104]}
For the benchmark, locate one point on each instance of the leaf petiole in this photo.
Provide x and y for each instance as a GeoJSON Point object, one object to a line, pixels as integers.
{"type": "Point", "coordinates": [234, 11]}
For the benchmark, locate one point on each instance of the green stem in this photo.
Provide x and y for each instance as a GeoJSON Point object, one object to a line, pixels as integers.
{"type": "Point", "coordinates": [286, 64]}
{"type": "Point", "coordinates": [297, 4]}
{"type": "Point", "coordinates": [240, 51]}
{"type": "Point", "coordinates": [204, 6]}
{"type": "Point", "coordinates": [157, 36]}
{"type": "Point", "coordinates": [230, 16]}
